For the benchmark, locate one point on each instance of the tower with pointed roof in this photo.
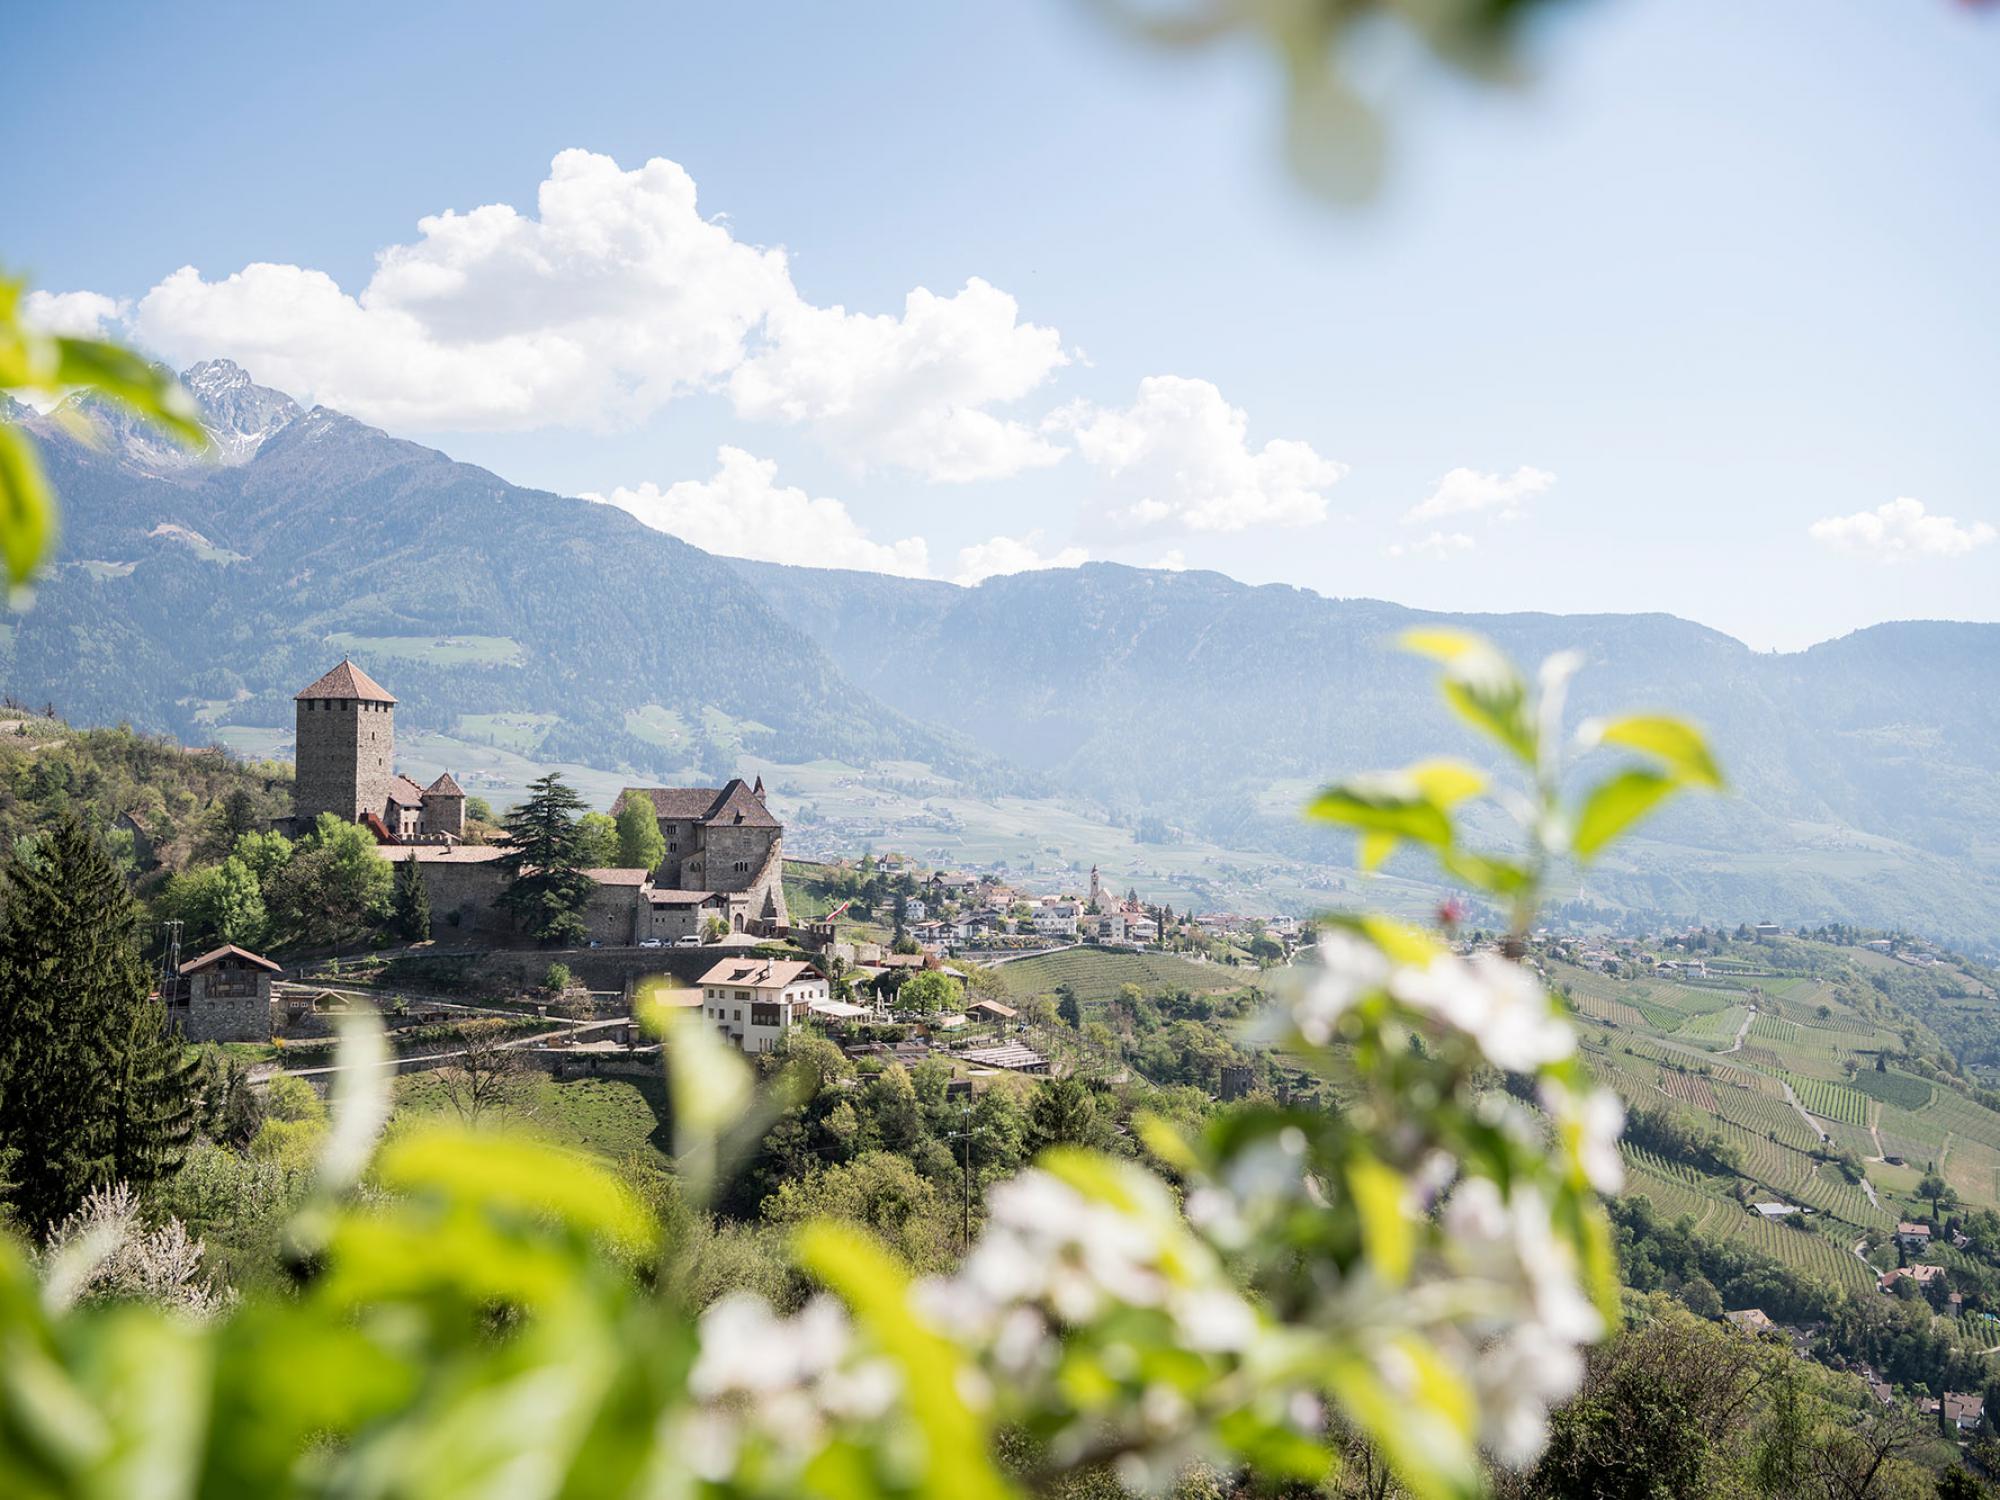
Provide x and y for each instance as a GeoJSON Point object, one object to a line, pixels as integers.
{"type": "Point", "coordinates": [346, 747]}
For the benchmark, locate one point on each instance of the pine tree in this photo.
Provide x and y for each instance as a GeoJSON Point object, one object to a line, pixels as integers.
{"type": "Point", "coordinates": [1063, 1113]}
{"type": "Point", "coordinates": [89, 1086]}
{"type": "Point", "coordinates": [546, 887]}
{"type": "Point", "coordinates": [410, 901]}
{"type": "Point", "coordinates": [155, 1113]}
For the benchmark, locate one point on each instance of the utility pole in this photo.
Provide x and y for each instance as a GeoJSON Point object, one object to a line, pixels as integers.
{"type": "Point", "coordinates": [963, 1135]}
{"type": "Point", "coordinates": [170, 960]}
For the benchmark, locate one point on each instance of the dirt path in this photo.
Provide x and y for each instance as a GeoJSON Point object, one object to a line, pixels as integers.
{"type": "Point", "coordinates": [1793, 1100]}
{"type": "Point", "coordinates": [1742, 1031]}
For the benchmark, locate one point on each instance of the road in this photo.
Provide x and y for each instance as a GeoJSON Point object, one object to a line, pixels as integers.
{"type": "Point", "coordinates": [1742, 1031]}
{"type": "Point", "coordinates": [432, 1059]}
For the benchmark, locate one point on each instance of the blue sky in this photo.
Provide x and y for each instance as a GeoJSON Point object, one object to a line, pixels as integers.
{"type": "Point", "coordinates": [1704, 315]}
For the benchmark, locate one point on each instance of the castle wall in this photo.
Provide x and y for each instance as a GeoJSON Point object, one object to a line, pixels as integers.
{"type": "Point", "coordinates": [469, 892]}
{"type": "Point", "coordinates": [345, 749]}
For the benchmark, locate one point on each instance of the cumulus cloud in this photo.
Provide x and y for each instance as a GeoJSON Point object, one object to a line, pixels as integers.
{"type": "Point", "coordinates": [1899, 530]}
{"type": "Point", "coordinates": [75, 314]}
{"type": "Point", "coordinates": [614, 298]}
{"type": "Point", "coordinates": [1465, 492]}
{"type": "Point", "coordinates": [1008, 554]}
{"type": "Point", "coordinates": [909, 391]}
{"type": "Point", "coordinates": [744, 512]}
{"type": "Point", "coordinates": [1438, 545]}
{"type": "Point", "coordinates": [1173, 560]}
{"type": "Point", "coordinates": [1180, 455]}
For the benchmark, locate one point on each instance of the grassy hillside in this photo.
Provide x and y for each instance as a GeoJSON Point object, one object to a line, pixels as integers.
{"type": "Point", "coordinates": [1098, 975]}
{"type": "Point", "coordinates": [613, 1117]}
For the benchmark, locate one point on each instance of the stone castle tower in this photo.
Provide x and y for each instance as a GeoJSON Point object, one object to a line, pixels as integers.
{"type": "Point", "coordinates": [346, 746]}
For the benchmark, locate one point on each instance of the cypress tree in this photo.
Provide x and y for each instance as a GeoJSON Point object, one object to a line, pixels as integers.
{"type": "Point", "coordinates": [90, 1085]}
{"type": "Point", "coordinates": [411, 900]}
{"type": "Point", "coordinates": [546, 886]}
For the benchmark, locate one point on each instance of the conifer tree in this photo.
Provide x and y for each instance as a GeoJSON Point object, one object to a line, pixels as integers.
{"type": "Point", "coordinates": [90, 1086]}
{"type": "Point", "coordinates": [546, 886]}
{"type": "Point", "coordinates": [410, 902]}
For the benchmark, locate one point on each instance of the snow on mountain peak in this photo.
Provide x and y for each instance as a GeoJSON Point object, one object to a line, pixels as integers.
{"type": "Point", "coordinates": [238, 413]}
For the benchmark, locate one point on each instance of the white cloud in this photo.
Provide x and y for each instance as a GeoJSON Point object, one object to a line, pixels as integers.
{"type": "Point", "coordinates": [1465, 492]}
{"type": "Point", "coordinates": [908, 391]}
{"type": "Point", "coordinates": [1438, 544]}
{"type": "Point", "coordinates": [614, 298]}
{"type": "Point", "coordinates": [1901, 529]}
{"type": "Point", "coordinates": [1007, 554]}
{"type": "Point", "coordinates": [1180, 454]}
{"type": "Point", "coordinates": [744, 512]}
{"type": "Point", "coordinates": [1173, 560]}
{"type": "Point", "coordinates": [76, 314]}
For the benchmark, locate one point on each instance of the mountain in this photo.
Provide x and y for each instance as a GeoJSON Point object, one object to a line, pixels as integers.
{"type": "Point", "coordinates": [191, 593]}
{"type": "Point", "coordinates": [195, 595]}
{"type": "Point", "coordinates": [1866, 770]}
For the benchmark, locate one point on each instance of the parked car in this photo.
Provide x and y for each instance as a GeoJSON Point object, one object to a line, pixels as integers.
{"type": "Point", "coordinates": [652, 943]}
{"type": "Point", "coordinates": [690, 940]}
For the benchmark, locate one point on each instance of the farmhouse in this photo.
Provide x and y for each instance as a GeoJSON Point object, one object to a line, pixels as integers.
{"type": "Point", "coordinates": [225, 996]}
{"type": "Point", "coordinates": [756, 1001]}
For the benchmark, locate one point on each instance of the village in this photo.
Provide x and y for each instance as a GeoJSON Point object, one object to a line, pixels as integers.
{"type": "Point", "coordinates": [898, 967]}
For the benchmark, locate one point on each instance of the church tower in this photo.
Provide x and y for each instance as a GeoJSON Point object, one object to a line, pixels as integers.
{"type": "Point", "coordinates": [346, 744]}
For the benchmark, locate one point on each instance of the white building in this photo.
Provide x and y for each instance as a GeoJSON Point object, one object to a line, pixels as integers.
{"type": "Point", "coordinates": [755, 1001]}
{"type": "Point", "coordinates": [1056, 919]}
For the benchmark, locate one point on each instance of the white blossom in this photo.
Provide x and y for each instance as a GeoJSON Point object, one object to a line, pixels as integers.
{"type": "Point", "coordinates": [1596, 1121]}
{"type": "Point", "coordinates": [1499, 1004]}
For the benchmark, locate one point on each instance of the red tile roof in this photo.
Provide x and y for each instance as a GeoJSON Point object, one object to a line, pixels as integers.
{"type": "Point", "coordinates": [405, 792]}
{"type": "Point", "coordinates": [444, 786]}
{"type": "Point", "coordinates": [347, 681]}
{"type": "Point", "coordinates": [605, 875]}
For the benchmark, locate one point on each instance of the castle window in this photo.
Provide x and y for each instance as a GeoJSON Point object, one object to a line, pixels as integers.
{"type": "Point", "coordinates": [742, 867]}
{"type": "Point", "coordinates": [673, 848]}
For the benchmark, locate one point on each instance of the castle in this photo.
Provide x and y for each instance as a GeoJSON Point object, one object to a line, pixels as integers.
{"type": "Point", "coordinates": [346, 753]}
{"type": "Point", "coordinates": [724, 856]}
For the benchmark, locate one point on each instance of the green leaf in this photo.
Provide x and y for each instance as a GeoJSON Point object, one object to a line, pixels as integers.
{"type": "Point", "coordinates": [133, 382]}
{"type": "Point", "coordinates": [1425, 1428]}
{"type": "Point", "coordinates": [958, 1461]}
{"type": "Point", "coordinates": [1674, 741]}
{"type": "Point", "coordinates": [1615, 804]}
{"type": "Point", "coordinates": [1481, 686]}
{"type": "Point", "coordinates": [1386, 1233]}
{"type": "Point", "coordinates": [27, 509]}
{"type": "Point", "coordinates": [519, 1175]}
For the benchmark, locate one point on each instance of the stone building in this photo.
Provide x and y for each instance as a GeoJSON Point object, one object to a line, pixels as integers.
{"type": "Point", "coordinates": [225, 996]}
{"type": "Point", "coordinates": [464, 883]}
{"type": "Point", "coordinates": [346, 754]}
{"type": "Point", "coordinates": [722, 840]}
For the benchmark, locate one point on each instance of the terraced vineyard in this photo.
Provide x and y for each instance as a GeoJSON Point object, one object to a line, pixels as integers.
{"type": "Point", "coordinates": [1830, 1100]}
{"type": "Point", "coordinates": [1666, 1045]}
{"type": "Point", "coordinates": [1098, 975]}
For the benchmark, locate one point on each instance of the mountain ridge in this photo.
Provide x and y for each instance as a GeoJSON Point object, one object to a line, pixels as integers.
{"type": "Point", "coordinates": [192, 595]}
